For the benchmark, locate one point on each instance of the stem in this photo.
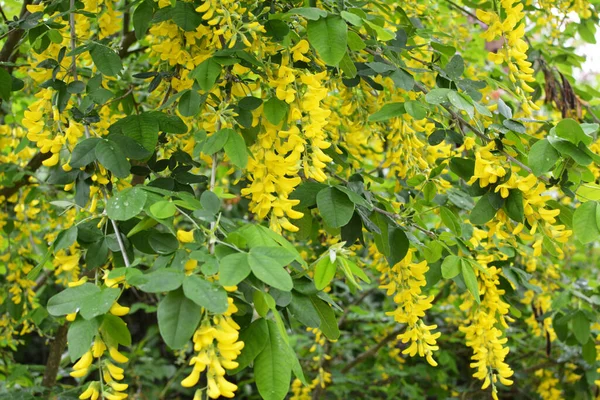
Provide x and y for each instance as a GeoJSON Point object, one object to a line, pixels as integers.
{"type": "Point", "coordinates": [121, 245]}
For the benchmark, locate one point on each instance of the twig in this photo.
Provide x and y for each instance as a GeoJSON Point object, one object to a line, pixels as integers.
{"type": "Point", "coordinates": [120, 242]}
{"type": "Point", "coordinates": [464, 10]}
{"type": "Point", "coordinates": [373, 350]}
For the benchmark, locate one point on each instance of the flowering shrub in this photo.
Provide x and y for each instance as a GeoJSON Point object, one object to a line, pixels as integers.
{"type": "Point", "coordinates": [204, 199]}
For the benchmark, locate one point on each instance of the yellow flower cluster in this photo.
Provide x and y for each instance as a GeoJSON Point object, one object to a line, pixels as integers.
{"type": "Point", "coordinates": [514, 53]}
{"type": "Point", "coordinates": [109, 387]}
{"type": "Point", "coordinates": [233, 22]}
{"type": "Point", "coordinates": [298, 389]}
{"type": "Point", "coordinates": [217, 346]}
{"type": "Point", "coordinates": [404, 281]}
{"type": "Point", "coordinates": [547, 386]}
{"type": "Point", "coordinates": [279, 155]}
{"type": "Point", "coordinates": [541, 302]}
{"type": "Point", "coordinates": [483, 331]}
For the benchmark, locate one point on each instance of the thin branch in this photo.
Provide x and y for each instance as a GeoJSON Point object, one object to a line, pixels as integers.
{"type": "Point", "coordinates": [464, 10]}
{"type": "Point", "coordinates": [120, 242]}
{"type": "Point", "coordinates": [32, 165]}
{"type": "Point", "coordinates": [373, 350]}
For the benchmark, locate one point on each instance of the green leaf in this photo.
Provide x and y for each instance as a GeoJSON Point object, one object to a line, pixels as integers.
{"type": "Point", "coordinates": [450, 220]}
{"type": "Point", "coordinates": [352, 18]}
{"type": "Point", "coordinates": [163, 209]}
{"type": "Point", "coordinates": [233, 269]}
{"type": "Point", "coordinates": [178, 318]}
{"type": "Point", "coordinates": [514, 205]}
{"type": "Point", "coordinates": [398, 246]}
{"type": "Point", "coordinates": [329, 37]}
{"type": "Point", "coordinates": [217, 140]}
{"type": "Point", "coordinates": [5, 84]}
{"type": "Point", "coordinates": [114, 328]}
{"type": "Point", "coordinates": [355, 42]}
{"type": "Point", "coordinates": [542, 157]}
{"type": "Point", "coordinates": [106, 60]}
{"type": "Point", "coordinates": [84, 153]}
{"type": "Point", "coordinates": [437, 96]}
{"type": "Point", "coordinates": [275, 110]}
{"type": "Point", "coordinates": [189, 103]}
{"type": "Point", "coordinates": [210, 202]}
{"type": "Point", "coordinates": [403, 79]}
{"type": "Point", "coordinates": [98, 303]}
{"type": "Point", "coordinates": [144, 224]}
{"type": "Point", "coordinates": [451, 266]}
{"type": "Point", "coordinates": [390, 110]}
{"type": "Point", "coordinates": [112, 158]}
{"type": "Point", "coordinates": [169, 123]}
{"type": "Point", "coordinates": [141, 18]}
{"type": "Point", "coordinates": [272, 369]}
{"type": "Point", "coordinates": [80, 336]}
{"type": "Point", "coordinates": [131, 148]}
{"type": "Point", "coordinates": [185, 16]}
{"type": "Point", "coordinates": [589, 351]}
{"type": "Point", "coordinates": [269, 270]}
{"type": "Point", "coordinates": [580, 327]}
{"type": "Point", "coordinates": [206, 294]}
{"type": "Point", "coordinates": [382, 34]}
{"type": "Point", "coordinates": [255, 337]}
{"type": "Point", "coordinates": [143, 128]}
{"type": "Point", "coordinates": [65, 238]}
{"type": "Point", "coordinates": [483, 211]}
{"type": "Point", "coordinates": [303, 310]}
{"type": "Point", "coordinates": [161, 280]}
{"type": "Point", "coordinates": [163, 243]}
{"type": "Point", "coordinates": [126, 204]}
{"type": "Point", "coordinates": [311, 13]}
{"type": "Point", "coordinates": [455, 67]}
{"type": "Point", "coordinates": [324, 272]}
{"type": "Point", "coordinates": [415, 109]}
{"type": "Point", "coordinates": [329, 325]}
{"type": "Point", "coordinates": [586, 222]}
{"type": "Point", "coordinates": [68, 301]}
{"type": "Point", "coordinates": [335, 207]}
{"type": "Point", "coordinates": [235, 148]}
{"type": "Point", "coordinates": [347, 66]}
{"type": "Point", "coordinates": [470, 279]}
{"type": "Point", "coordinates": [459, 101]}
{"type": "Point", "coordinates": [206, 74]}
{"type": "Point", "coordinates": [570, 130]}
{"type": "Point", "coordinates": [463, 167]}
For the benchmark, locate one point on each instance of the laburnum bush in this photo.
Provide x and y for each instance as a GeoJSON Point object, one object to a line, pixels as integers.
{"type": "Point", "coordinates": [287, 199]}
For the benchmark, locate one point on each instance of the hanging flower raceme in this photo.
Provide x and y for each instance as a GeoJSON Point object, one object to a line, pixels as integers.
{"type": "Point", "coordinates": [483, 331]}
{"type": "Point", "coordinates": [217, 346]}
{"type": "Point", "coordinates": [109, 387]}
{"type": "Point", "coordinates": [508, 25]}
{"type": "Point", "coordinates": [404, 281]}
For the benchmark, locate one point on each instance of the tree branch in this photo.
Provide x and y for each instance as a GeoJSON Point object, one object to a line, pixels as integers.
{"type": "Point", "coordinates": [56, 349]}
{"type": "Point", "coordinates": [32, 166]}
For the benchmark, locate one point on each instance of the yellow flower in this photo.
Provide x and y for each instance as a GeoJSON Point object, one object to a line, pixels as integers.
{"type": "Point", "coordinates": [91, 392]}
{"type": "Point", "coordinates": [185, 236]}
{"type": "Point", "coordinates": [117, 356]}
{"type": "Point", "coordinates": [118, 310]}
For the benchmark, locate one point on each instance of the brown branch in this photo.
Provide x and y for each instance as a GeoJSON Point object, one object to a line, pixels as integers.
{"type": "Point", "coordinates": [13, 38]}
{"type": "Point", "coordinates": [128, 40]}
{"type": "Point", "coordinates": [373, 350]}
{"type": "Point", "coordinates": [56, 349]}
{"type": "Point", "coordinates": [32, 166]}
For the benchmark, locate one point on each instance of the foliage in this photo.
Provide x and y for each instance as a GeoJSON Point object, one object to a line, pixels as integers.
{"type": "Point", "coordinates": [205, 198]}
